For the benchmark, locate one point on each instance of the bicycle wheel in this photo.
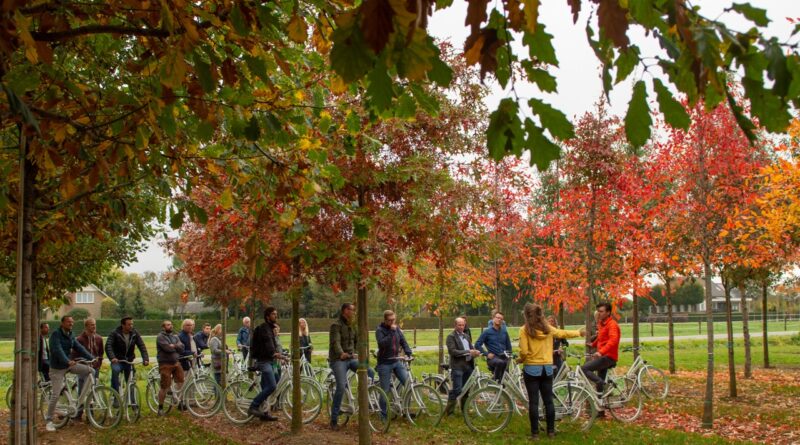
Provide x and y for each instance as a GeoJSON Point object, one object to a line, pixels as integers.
{"type": "Point", "coordinates": [653, 382]}
{"type": "Point", "coordinates": [44, 400]}
{"type": "Point", "coordinates": [10, 395]}
{"type": "Point", "coordinates": [574, 405]}
{"type": "Point", "coordinates": [377, 420]}
{"type": "Point", "coordinates": [202, 397]}
{"type": "Point", "coordinates": [310, 399]}
{"type": "Point", "coordinates": [424, 406]}
{"type": "Point", "coordinates": [488, 410]}
{"type": "Point", "coordinates": [236, 399]}
{"type": "Point", "coordinates": [64, 409]}
{"type": "Point", "coordinates": [151, 394]}
{"type": "Point", "coordinates": [104, 408]}
{"type": "Point", "coordinates": [626, 407]}
{"type": "Point", "coordinates": [438, 383]}
{"type": "Point", "coordinates": [133, 410]}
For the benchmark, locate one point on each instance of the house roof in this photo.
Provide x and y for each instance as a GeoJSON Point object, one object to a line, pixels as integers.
{"type": "Point", "coordinates": [93, 288]}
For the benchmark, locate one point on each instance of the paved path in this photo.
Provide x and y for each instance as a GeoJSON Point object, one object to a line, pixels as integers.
{"type": "Point", "coordinates": [324, 352]}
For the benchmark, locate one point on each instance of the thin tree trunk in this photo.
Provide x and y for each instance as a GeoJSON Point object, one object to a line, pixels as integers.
{"type": "Point", "coordinates": [748, 362]}
{"type": "Point", "coordinates": [588, 312]}
{"type": "Point", "coordinates": [635, 321]}
{"type": "Point", "coordinates": [224, 376]}
{"type": "Point", "coordinates": [729, 326]}
{"type": "Point", "coordinates": [764, 322]}
{"type": "Point", "coordinates": [23, 429]}
{"type": "Point", "coordinates": [441, 323]}
{"type": "Point", "coordinates": [708, 402]}
{"type": "Point", "coordinates": [297, 404]}
{"type": "Point", "coordinates": [670, 327]}
{"type": "Point", "coordinates": [364, 432]}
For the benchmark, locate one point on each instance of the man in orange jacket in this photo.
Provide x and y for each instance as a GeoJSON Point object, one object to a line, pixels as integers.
{"type": "Point", "coordinates": [607, 345]}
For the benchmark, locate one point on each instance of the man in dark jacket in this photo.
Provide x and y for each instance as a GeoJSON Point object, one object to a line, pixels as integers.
{"type": "Point", "coordinates": [201, 338]}
{"type": "Point", "coordinates": [391, 342]}
{"type": "Point", "coordinates": [186, 337]}
{"type": "Point", "coordinates": [264, 350]}
{"type": "Point", "coordinates": [120, 346]}
{"type": "Point", "coordinates": [342, 356]}
{"type": "Point", "coordinates": [462, 362]}
{"type": "Point", "coordinates": [62, 342]}
{"type": "Point", "coordinates": [169, 348]}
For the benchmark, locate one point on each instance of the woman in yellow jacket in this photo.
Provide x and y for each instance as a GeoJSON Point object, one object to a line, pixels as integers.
{"type": "Point", "coordinates": [536, 354]}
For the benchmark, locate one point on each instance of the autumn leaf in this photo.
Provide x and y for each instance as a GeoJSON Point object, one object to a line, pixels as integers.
{"type": "Point", "coordinates": [376, 23]}
{"type": "Point", "coordinates": [613, 21]}
{"type": "Point", "coordinates": [531, 14]}
{"type": "Point", "coordinates": [297, 29]}
{"type": "Point", "coordinates": [476, 14]}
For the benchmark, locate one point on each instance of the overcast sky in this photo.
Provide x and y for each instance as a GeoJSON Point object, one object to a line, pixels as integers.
{"type": "Point", "coordinates": [578, 76]}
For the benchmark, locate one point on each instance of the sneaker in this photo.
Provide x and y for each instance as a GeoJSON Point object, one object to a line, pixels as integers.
{"type": "Point", "coordinates": [51, 427]}
{"type": "Point", "coordinates": [267, 417]}
{"type": "Point", "coordinates": [534, 436]}
{"type": "Point", "coordinates": [551, 434]}
{"type": "Point", "coordinates": [334, 426]}
{"type": "Point", "coordinates": [255, 412]}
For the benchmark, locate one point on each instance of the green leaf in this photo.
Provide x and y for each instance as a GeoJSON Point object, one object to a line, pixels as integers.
{"type": "Point", "coordinates": [543, 150]}
{"type": "Point", "coordinates": [793, 65]}
{"type": "Point", "coordinates": [203, 71]}
{"type": "Point", "coordinates": [166, 121]}
{"type": "Point", "coordinates": [360, 228]}
{"type": "Point", "coordinates": [441, 73]}
{"type": "Point", "coordinates": [252, 131]}
{"type": "Point", "coordinates": [503, 71]}
{"type": "Point", "coordinates": [554, 120]}
{"type": "Point", "coordinates": [425, 100]}
{"type": "Point", "coordinates": [505, 134]}
{"type": "Point", "coordinates": [238, 21]}
{"type": "Point", "coordinates": [673, 111]}
{"type": "Point", "coordinates": [226, 198]}
{"type": "Point", "coordinates": [777, 69]}
{"type": "Point", "coordinates": [744, 122]}
{"type": "Point", "coordinates": [334, 176]}
{"type": "Point", "coordinates": [380, 87]}
{"type": "Point", "coordinates": [19, 107]}
{"type": "Point", "coordinates": [350, 57]}
{"type": "Point", "coordinates": [540, 45]}
{"type": "Point", "coordinates": [644, 12]}
{"type": "Point", "coordinates": [205, 131]}
{"type": "Point", "coordinates": [176, 219]}
{"type": "Point", "coordinates": [755, 15]}
{"type": "Point", "coordinates": [544, 80]}
{"type": "Point", "coordinates": [406, 107]}
{"type": "Point", "coordinates": [353, 122]}
{"type": "Point", "coordinates": [258, 67]}
{"type": "Point", "coordinates": [626, 62]}
{"type": "Point", "coordinates": [637, 120]}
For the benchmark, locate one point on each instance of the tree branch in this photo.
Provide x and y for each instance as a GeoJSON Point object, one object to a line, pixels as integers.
{"type": "Point", "coordinates": [96, 190]}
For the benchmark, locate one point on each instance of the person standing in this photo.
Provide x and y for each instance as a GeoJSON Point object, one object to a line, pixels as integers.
{"type": "Point", "coordinates": [169, 348]}
{"type": "Point", "coordinates": [342, 356]}
{"type": "Point", "coordinates": [189, 346]}
{"type": "Point", "coordinates": [62, 342]}
{"type": "Point", "coordinates": [264, 351]}
{"type": "Point", "coordinates": [243, 339]}
{"type": "Point", "coordinates": [607, 347]}
{"type": "Point", "coordinates": [44, 351]}
{"type": "Point", "coordinates": [217, 354]}
{"type": "Point", "coordinates": [202, 337]}
{"type": "Point", "coordinates": [462, 362]}
{"type": "Point", "coordinates": [536, 354]}
{"type": "Point", "coordinates": [94, 344]}
{"type": "Point", "coordinates": [391, 343]}
{"type": "Point", "coordinates": [305, 339]}
{"type": "Point", "coordinates": [497, 342]}
{"type": "Point", "coordinates": [120, 345]}
{"type": "Point", "coordinates": [558, 345]}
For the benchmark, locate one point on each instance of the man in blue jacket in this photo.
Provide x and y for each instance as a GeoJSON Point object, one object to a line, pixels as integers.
{"type": "Point", "coordinates": [62, 343]}
{"type": "Point", "coordinates": [186, 337]}
{"type": "Point", "coordinates": [497, 342]}
{"type": "Point", "coordinates": [391, 342]}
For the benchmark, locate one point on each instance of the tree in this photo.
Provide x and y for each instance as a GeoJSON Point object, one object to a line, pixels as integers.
{"type": "Point", "coordinates": [138, 304]}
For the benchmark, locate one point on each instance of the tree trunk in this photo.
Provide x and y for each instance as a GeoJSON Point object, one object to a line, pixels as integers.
{"type": "Point", "coordinates": [670, 327]}
{"type": "Point", "coordinates": [729, 326]}
{"type": "Point", "coordinates": [708, 402]}
{"type": "Point", "coordinates": [224, 376]}
{"type": "Point", "coordinates": [748, 362]}
{"type": "Point", "coordinates": [561, 315]}
{"type": "Point", "coordinates": [635, 321]}
{"type": "Point", "coordinates": [590, 255]}
{"type": "Point", "coordinates": [364, 432]}
{"type": "Point", "coordinates": [297, 404]}
{"type": "Point", "coordinates": [764, 322]}
{"type": "Point", "coordinates": [441, 323]}
{"type": "Point", "coordinates": [23, 429]}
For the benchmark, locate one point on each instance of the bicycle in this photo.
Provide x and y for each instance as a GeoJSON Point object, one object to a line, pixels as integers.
{"type": "Point", "coordinates": [238, 396]}
{"type": "Point", "coordinates": [442, 382]}
{"type": "Point", "coordinates": [653, 382]}
{"type": "Point", "coordinates": [419, 403]}
{"type": "Point", "coordinates": [131, 406]}
{"type": "Point", "coordinates": [378, 422]}
{"type": "Point", "coordinates": [200, 393]}
{"type": "Point", "coordinates": [101, 403]}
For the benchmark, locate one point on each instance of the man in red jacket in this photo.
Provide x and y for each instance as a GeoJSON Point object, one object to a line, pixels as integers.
{"type": "Point", "coordinates": [607, 345]}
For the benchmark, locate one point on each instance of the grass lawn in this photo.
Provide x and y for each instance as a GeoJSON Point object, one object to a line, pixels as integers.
{"type": "Point", "coordinates": [764, 412]}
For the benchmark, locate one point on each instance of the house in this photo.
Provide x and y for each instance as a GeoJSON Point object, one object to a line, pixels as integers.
{"type": "Point", "coordinates": [89, 298]}
{"type": "Point", "coordinates": [717, 302]}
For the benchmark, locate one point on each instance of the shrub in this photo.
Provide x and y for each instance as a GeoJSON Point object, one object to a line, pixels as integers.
{"type": "Point", "coordinates": [108, 308]}
{"type": "Point", "coordinates": [79, 314]}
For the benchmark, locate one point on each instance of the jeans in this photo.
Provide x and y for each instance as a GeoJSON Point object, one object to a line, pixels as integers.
{"type": "Point", "coordinates": [601, 365]}
{"type": "Point", "coordinates": [58, 377]}
{"type": "Point", "coordinates": [116, 369]}
{"type": "Point", "coordinates": [340, 368]}
{"type": "Point", "coordinates": [268, 383]}
{"type": "Point", "coordinates": [543, 385]}
{"type": "Point", "coordinates": [385, 376]}
{"type": "Point", "coordinates": [459, 377]}
{"type": "Point", "coordinates": [498, 367]}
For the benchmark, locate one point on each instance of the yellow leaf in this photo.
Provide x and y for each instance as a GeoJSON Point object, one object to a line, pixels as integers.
{"type": "Point", "coordinates": [474, 53]}
{"type": "Point", "coordinates": [723, 234]}
{"type": "Point", "coordinates": [23, 23]}
{"type": "Point", "coordinates": [531, 14]}
{"type": "Point", "coordinates": [338, 86]}
{"type": "Point", "coordinates": [298, 29]}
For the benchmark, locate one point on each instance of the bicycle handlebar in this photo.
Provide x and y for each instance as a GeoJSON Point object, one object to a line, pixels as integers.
{"type": "Point", "coordinates": [84, 361]}
{"type": "Point", "coordinates": [128, 363]}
